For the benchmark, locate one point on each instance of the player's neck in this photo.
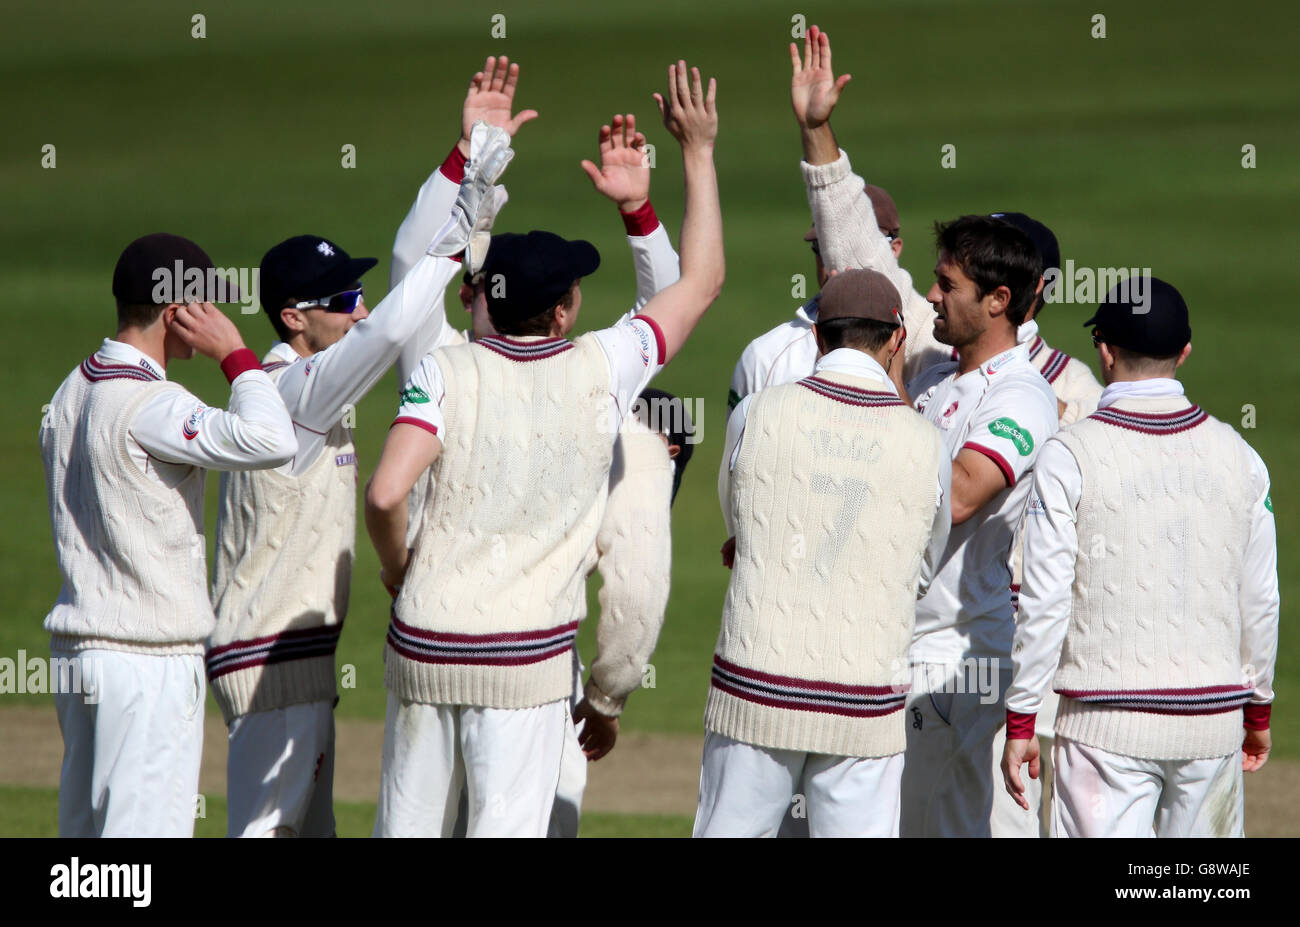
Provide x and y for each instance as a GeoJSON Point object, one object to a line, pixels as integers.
{"type": "Point", "coordinates": [150, 343]}
{"type": "Point", "coordinates": [988, 346]}
{"type": "Point", "coordinates": [299, 344]}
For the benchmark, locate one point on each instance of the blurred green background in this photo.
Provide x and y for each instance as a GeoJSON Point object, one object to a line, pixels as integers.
{"type": "Point", "coordinates": [1130, 147]}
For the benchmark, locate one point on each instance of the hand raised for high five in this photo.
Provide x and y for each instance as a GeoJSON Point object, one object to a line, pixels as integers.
{"type": "Point", "coordinates": [689, 114]}
{"type": "Point", "coordinates": [814, 89]}
{"type": "Point", "coordinates": [624, 172]}
{"type": "Point", "coordinates": [490, 97]}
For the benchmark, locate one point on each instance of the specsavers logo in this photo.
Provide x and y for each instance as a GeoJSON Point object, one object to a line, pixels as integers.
{"type": "Point", "coordinates": [1008, 429]}
{"type": "Point", "coordinates": [413, 394]}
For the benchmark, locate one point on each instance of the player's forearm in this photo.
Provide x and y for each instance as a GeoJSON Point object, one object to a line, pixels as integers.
{"type": "Point", "coordinates": [386, 524]}
{"type": "Point", "coordinates": [433, 203]}
{"type": "Point", "coordinates": [410, 315]}
{"type": "Point", "coordinates": [657, 265]}
{"type": "Point", "coordinates": [847, 229]}
{"type": "Point", "coordinates": [702, 259]}
{"type": "Point", "coordinates": [819, 145]}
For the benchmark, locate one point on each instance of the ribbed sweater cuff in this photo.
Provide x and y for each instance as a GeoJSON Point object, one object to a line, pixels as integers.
{"type": "Point", "coordinates": [1257, 717]}
{"type": "Point", "coordinates": [453, 168]}
{"type": "Point", "coordinates": [1020, 726]}
{"type": "Point", "coordinates": [641, 222]}
{"type": "Point", "coordinates": [239, 361]}
{"type": "Point", "coordinates": [821, 175]}
{"type": "Point", "coordinates": [603, 704]}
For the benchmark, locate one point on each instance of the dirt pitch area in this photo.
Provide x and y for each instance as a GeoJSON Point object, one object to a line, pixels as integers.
{"type": "Point", "coordinates": [645, 774]}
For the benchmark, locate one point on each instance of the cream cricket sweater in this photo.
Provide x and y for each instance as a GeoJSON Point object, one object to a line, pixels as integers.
{"type": "Point", "coordinates": [285, 546]}
{"type": "Point", "coordinates": [489, 610]}
{"type": "Point", "coordinates": [1151, 662]}
{"type": "Point", "coordinates": [131, 550]}
{"type": "Point", "coordinates": [833, 497]}
{"type": "Point", "coordinates": [634, 554]}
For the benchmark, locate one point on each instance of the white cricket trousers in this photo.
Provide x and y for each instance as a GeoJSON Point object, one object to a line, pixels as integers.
{"type": "Point", "coordinates": [280, 772]}
{"type": "Point", "coordinates": [1101, 794]}
{"type": "Point", "coordinates": [952, 715]}
{"type": "Point", "coordinates": [567, 811]}
{"type": "Point", "coordinates": [132, 744]}
{"type": "Point", "coordinates": [746, 791]}
{"type": "Point", "coordinates": [506, 759]}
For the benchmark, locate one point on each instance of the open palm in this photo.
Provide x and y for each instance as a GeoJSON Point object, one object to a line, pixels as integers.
{"type": "Point", "coordinates": [624, 172]}
{"type": "Point", "coordinates": [814, 90]}
{"type": "Point", "coordinates": [490, 97]}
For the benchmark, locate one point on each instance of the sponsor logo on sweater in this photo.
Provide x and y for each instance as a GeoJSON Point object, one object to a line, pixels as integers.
{"type": "Point", "coordinates": [103, 880]}
{"type": "Point", "coordinates": [191, 426]}
{"type": "Point", "coordinates": [1007, 428]}
{"type": "Point", "coordinates": [413, 394]}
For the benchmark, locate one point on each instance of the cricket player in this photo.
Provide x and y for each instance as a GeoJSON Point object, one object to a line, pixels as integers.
{"type": "Point", "coordinates": [1077, 392]}
{"type": "Point", "coordinates": [126, 452]}
{"type": "Point", "coordinates": [520, 427]}
{"type": "Point", "coordinates": [837, 495]}
{"type": "Point", "coordinates": [286, 537]}
{"type": "Point", "coordinates": [634, 556]}
{"type": "Point", "coordinates": [1150, 598]}
{"type": "Point", "coordinates": [788, 352]}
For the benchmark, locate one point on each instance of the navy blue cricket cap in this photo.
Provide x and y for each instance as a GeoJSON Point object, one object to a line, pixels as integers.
{"type": "Point", "coordinates": [524, 275]}
{"type": "Point", "coordinates": [1144, 315]}
{"type": "Point", "coordinates": [307, 267]}
{"type": "Point", "coordinates": [1038, 233]}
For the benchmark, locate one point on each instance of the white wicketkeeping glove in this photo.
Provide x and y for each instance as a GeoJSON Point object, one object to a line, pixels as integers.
{"type": "Point", "coordinates": [480, 238]}
{"type": "Point", "coordinates": [489, 153]}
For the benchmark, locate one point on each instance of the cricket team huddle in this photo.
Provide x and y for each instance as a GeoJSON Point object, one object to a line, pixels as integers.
{"type": "Point", "coordinates": [960, 567]}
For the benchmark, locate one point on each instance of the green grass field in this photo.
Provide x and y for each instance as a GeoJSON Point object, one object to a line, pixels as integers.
{"type": "Point", "coordinates": [1129, 147]}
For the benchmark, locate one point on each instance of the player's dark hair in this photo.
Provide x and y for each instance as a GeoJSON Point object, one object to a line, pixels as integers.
{"type": "Point", "coordinates": [1145, 364]}
{"type": "Point", "coordinates": [277, 323]}
{"type": "Point", "coordinates": [862, 334]}
{"type": "Point", "coordinates": [993, 253]}
{"type": "Point", "coordinates": [138, 315]}
{"type": "Point", "coordinates": [539, 324]}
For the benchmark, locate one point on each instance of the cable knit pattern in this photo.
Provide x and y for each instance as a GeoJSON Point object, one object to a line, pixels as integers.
{"type": "Point", "coordinates": [1152, 659]}
{"type": "Point", "coordinates": [285, 547]}
{"type": "Point", "coordinates": [634, 546]}
{"type": "Point", "coordinates": [130, 549]}
{"type": "Point", "coordinates": [488, 612]}
{"type": "Point", "coordinates": [834, 502]}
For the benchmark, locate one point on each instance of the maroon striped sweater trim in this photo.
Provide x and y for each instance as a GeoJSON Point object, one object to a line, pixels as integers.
{"type": "Point", "coordinates": [301, 644]}
{"type": "Point", "coordinates": [850, 395]}
{"type": "Point", "coordinates": [505, 648]}
{"type": "Point", "coordinates": [1203, 700]}
{"type": "Point", "coordinates": [524, 351]}
{"type": "Point", "coordinates": [96, 370]}
{"type": "Point", "coordinates": [794, 694]}
{"type": "Point", "coordinates": [1152, 423]}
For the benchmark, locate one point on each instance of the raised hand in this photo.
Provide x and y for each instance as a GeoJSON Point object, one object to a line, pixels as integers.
{"type": "Point", "coordinates": [689, 114]}
{"type": "Point", "coordinates": [490, 98]}
{"type": "Point", "coordinates": [207, 330]}
{"type": "Point", "coordinates": [814, 89]}
{"type": "Point", "coordinates": [624, 172]}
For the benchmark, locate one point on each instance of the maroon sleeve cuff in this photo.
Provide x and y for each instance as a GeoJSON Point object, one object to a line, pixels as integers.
{"type": "Point", "coordinates": [417, 422]}
{"type": "Point", "coordinates": [1020, 727]}
{"type": "Point", "coordinates": [642, 222]}
{"type": "Point", "coordinates": [239, 361]}
{"type": "Point", "coordinates": [454, 167]}
{"type": "Point", "coordinates": [660, 346]}
{"type": "Point", "coordinates": [1257, 717]}
{"type": "Point", "coordinates": [997, 458]}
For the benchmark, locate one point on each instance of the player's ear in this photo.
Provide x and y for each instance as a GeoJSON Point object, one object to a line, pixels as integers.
{"type": "Point", "coordinates": [897, 247]}
{"type": "Point", "coordinates": [674, 450]}
{"type": "Point", "coordinates": [294, 320]}
{"type": "Point", "coordinates": [1183, 355]}
{"type": "Point", "coordinates": [999, 298]}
